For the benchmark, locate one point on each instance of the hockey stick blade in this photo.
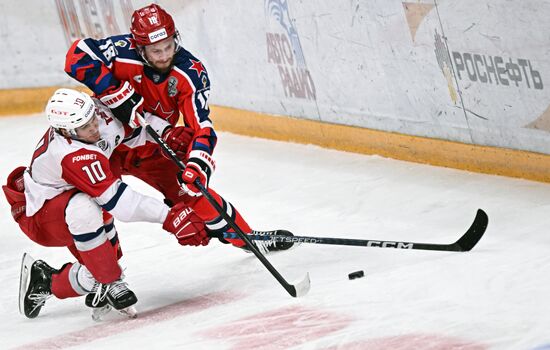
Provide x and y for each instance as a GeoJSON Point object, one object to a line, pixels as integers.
{"type": "Point", "coordinates": [464, 244]}
{"type": "Point", "coordinates": [474, 233]}
{"type": "Point", "coordinates": [301, 288]}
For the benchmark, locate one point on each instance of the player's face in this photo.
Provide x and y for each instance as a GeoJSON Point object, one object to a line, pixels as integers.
{"type": "Point", "coordinates": [89, 132]}
{"type": "Point", "coordinates": [161, 54]}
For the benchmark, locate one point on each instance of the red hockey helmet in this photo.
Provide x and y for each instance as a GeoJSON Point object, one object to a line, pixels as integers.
{"type": "Point", "coordinates": [151, 24]}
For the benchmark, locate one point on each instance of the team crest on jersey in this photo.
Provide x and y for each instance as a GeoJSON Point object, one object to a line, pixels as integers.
{"type": "Point", "coordinates": [137, 78]}
{"type": "Point", "coordinates": [121, 43]}
{"type": "Point", "coordinates": [172, 86]}
{"type": "Point", "coordinates": [102, 144]}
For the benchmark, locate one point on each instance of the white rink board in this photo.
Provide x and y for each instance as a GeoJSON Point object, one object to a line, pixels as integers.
{"type": "Point", "coordinates": [469, 71]}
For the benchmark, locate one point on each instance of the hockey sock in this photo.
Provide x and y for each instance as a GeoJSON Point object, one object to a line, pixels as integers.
{"type": "Point", "coordinates": [61, 283]}
{"type": "Point", "coordinates": [102, 262]}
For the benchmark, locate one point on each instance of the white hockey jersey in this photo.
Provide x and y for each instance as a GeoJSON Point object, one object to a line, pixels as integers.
{"type": "Point", "coordinates": [60, 164]}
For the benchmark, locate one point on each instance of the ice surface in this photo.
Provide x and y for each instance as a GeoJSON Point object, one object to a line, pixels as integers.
{"type": "Point", "coordinates": [218, 297]}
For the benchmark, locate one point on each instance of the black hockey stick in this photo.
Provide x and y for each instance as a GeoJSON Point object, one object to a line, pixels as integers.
{"type": "Point", "coordinates": [297, 290]}
{"type": "Point", "coordinates": [464, 244]}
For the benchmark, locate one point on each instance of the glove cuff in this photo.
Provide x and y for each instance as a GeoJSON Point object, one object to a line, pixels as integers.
{"type": "Point", "coordinates": [164, 133]}
{"type": "Point", "coordinates": [204, 161]}
{"type": "Point", "coordinates": [125, 103]}
{"type": "Point", "coordinates": [119, 96]}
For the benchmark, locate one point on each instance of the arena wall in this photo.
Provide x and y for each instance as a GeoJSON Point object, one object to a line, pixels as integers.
{"type": "Point", "coordinates": [458, 83]}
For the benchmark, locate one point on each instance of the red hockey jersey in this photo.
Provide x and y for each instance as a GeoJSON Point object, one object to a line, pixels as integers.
{"type": "Point", "coordinates": [103, 64]}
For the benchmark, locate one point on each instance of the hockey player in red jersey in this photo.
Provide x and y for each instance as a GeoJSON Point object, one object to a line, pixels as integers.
{"type": "Point", "coordinates": [68, 197]}
{"type": "Point", "coordinates": [148, 70]}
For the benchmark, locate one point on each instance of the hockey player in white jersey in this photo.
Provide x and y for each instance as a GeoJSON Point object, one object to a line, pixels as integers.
{"type": "Point", "coordinates": [66, 198]}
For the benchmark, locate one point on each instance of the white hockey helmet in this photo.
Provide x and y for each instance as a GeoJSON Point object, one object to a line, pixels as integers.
{"type": "Point", "coordinates": [69, 109]}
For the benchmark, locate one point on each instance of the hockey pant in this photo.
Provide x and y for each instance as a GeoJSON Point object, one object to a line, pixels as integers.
{"type": "Point", "coordinates": [73, 220]}
{"type": "Point", "coordinates": [149, 165]}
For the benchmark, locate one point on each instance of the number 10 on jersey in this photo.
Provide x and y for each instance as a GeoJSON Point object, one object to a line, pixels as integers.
{"type": "Point", "coordinates": [95, 172]}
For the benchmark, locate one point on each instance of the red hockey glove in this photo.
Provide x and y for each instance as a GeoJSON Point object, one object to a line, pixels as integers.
{"type": "Point", "coordinates": [188, 228]}
{"type": "Point", "coordinates": [14, 191]}
{"type": "Point", "coordinates": [18, 209]}
{"type": "Point", "coordinates": [178, 139]}
{"type": "Point", "coordinates": [200, 165]}
{"type": "Point", "coordinates": [125, 103]}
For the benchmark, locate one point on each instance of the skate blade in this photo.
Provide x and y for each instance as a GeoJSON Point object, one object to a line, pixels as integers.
{"type": "Point", "coordinates": [99, 312]}
{"type": "Point", "coordinates": [130, 311]}
{"type": "Point", "coordinates": [24, 276]}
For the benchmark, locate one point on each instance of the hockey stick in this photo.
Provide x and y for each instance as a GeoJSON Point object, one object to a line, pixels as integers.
{"type": "Point", "coordinates": [297, 290]}
{"type": "Point", "coordinates": [464, 243]}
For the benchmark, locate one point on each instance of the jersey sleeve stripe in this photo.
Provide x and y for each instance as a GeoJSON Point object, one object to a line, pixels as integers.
{"type": "Point", "coordinates": [135, 133]}
{"type": "Point", "coordinates": [83, 45]}
{"type": "Point", "coordinates": [206, 124]}
{"type": "Point", "coordinates": [114, 200]}
{"type": "Point", "coordinates": [85, 237]}
{"type": "Point", "coordinates": [114, 240]}
{"type": "Point", "coordinates": [93, 241]}
{"type": "Point", "coordinates": [202, 147]}
{"type": "Point", "coordinates": [110, 226]}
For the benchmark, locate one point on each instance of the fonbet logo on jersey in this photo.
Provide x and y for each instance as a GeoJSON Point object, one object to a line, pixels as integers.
{"type": "Point", "coordinates": [84, 157]}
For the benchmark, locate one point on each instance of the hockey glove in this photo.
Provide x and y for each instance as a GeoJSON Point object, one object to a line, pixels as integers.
{"type": "Point", "coordinates": [14, 191]}
{"type": "Point", "coordinates": [178, 139]}
{"type": "Point", "coordinates": [200, 165]}
{"type": "Point", "coordinates": [125, 103]}
{"type": "Point", "coordinates": [188, 228]}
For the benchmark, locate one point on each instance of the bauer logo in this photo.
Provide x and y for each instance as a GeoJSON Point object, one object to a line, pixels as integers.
{"type": "Point", "coordinates": [284, 51]}
{"type": "Point", "coordinates": [158, 35]}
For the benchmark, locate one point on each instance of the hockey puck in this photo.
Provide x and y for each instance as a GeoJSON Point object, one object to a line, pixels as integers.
{"type": "Point", "coordinates": [356, 274]}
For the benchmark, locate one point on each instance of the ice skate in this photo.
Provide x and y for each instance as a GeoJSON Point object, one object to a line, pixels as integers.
{"type": "Point", "coordinates": [115, 295]}
{"type": "Point", "coordinates": [34, 285]}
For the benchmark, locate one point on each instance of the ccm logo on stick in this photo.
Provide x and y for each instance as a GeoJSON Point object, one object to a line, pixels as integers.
{"type": "Point", "coordinates": [398, 245]}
